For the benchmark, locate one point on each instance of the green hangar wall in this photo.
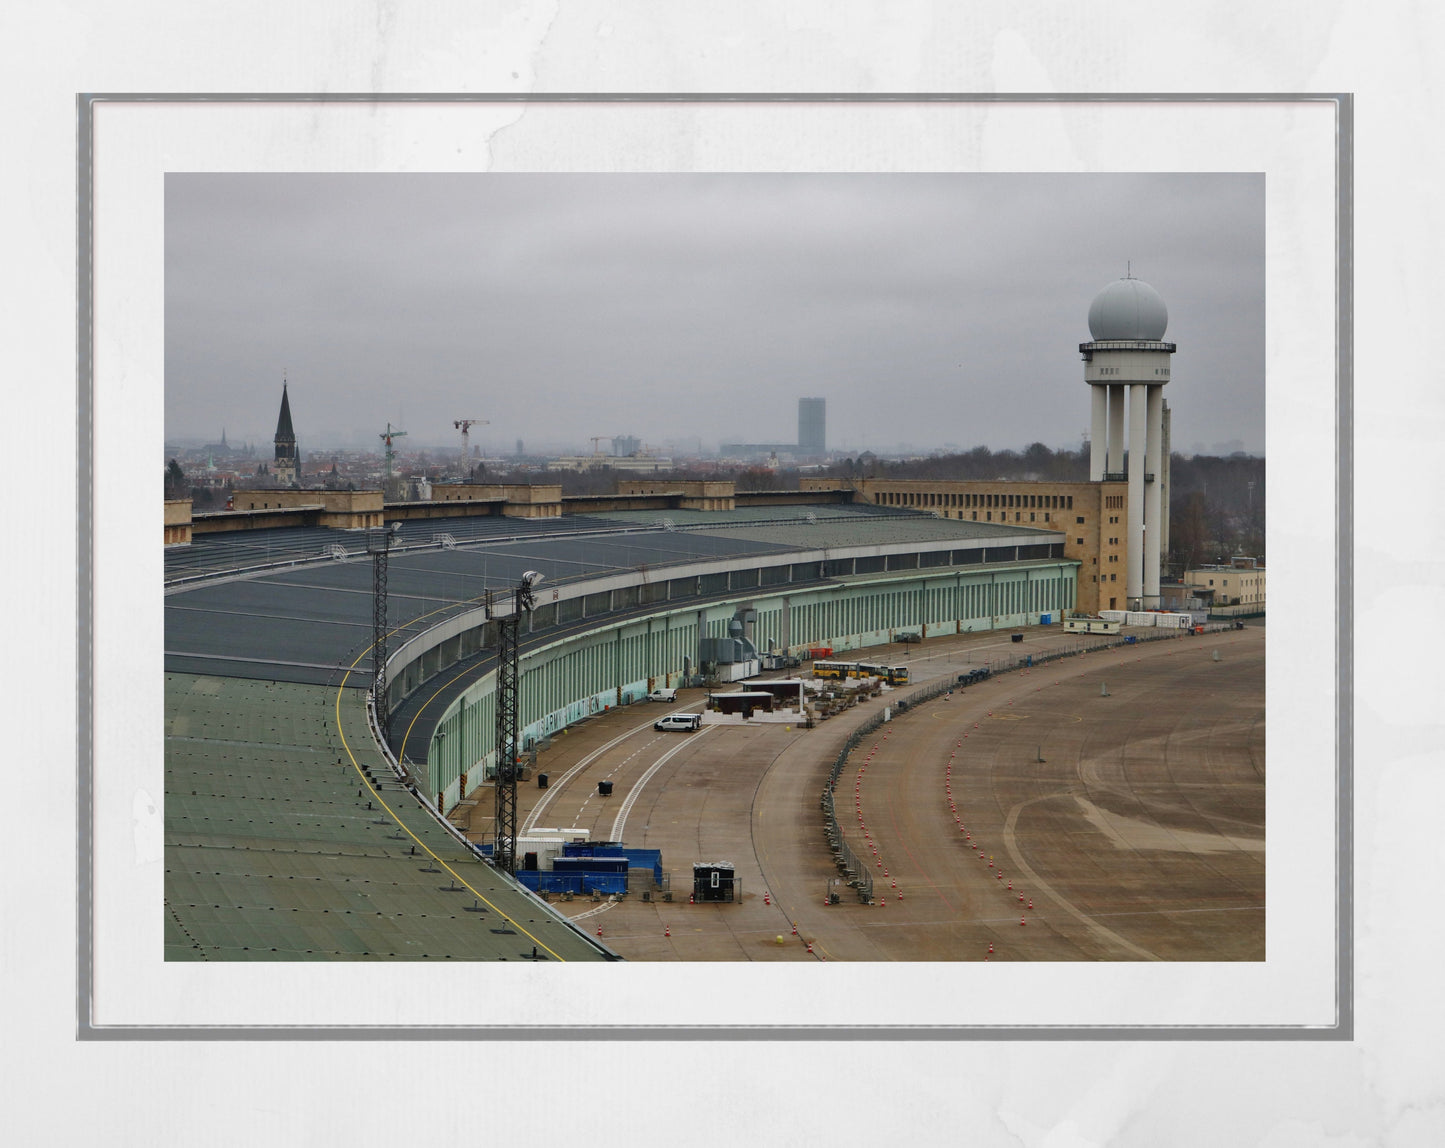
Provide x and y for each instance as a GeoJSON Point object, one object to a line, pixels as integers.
{"type": "Point", "coordinates": [619, 660]}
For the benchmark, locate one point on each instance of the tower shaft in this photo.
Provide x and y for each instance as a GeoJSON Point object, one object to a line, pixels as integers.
{"type": "Point", "coordinates": [1129, 375]}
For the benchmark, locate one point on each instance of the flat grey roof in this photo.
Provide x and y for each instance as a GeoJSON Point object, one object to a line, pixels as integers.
{"type": "Point", "coordinates": [278, 846]}
{"type": "Point", "coordinates": [307, 623]}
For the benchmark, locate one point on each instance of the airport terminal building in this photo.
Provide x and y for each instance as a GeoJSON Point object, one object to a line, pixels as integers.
{"type": "Point", "coordinates": [273, 610]}
{"type": "Point", "coordinates": [630, 599]}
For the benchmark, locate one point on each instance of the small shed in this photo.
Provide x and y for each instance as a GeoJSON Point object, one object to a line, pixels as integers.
{"type": "Point", "coordinates": [745, 702]}
{"type": "Point", "coordinates": [787, 692]}
{"type": "Point", "coordinates": [714, 881]}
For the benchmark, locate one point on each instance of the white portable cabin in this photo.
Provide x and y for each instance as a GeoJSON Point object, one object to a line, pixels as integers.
{"type": "Point", "coordinates": [1089, 624]}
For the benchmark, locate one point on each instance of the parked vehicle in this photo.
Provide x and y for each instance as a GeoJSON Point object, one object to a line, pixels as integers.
{"type": "Point", "coordinates": [893, 675]}
{"type": "Point", "coordinates": [679, 721]}
{"type": "Point", "coordinates": [908, 636]}
{"type": "Point", "coordinates": [662, 696]}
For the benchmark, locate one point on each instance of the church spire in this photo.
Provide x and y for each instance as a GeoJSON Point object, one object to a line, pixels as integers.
{"type": "Point", "coordinates": [286, 468]}
{"type": "Point", "coordinates": [284, 433]}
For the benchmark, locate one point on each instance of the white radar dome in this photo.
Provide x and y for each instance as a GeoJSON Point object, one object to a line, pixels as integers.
{"type": "Point", "coordinates": [1128, 309]}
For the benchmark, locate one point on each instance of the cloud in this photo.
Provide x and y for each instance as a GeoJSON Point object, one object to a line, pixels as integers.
{"type": "Point", "coordinates": [925, 308]}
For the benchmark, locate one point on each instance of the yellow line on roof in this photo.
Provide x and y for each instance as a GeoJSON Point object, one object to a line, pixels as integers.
{"type": "Point", "coordinates": [340, 690]}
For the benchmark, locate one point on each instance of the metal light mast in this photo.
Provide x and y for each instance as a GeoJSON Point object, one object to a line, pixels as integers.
{"type": "Point", "coordinates": [504, 851]}
{"type": "Point", "coordinates": [378, 545]}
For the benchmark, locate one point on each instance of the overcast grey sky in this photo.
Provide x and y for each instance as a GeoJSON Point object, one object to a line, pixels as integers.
{"type": "Point", "coordinates": [927, 309]}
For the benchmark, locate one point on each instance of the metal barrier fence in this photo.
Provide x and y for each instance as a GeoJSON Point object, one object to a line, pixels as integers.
{"type": "Point", "coordinates": [853, 870]}
{"type": "Point", "coordinates": [578, 884]}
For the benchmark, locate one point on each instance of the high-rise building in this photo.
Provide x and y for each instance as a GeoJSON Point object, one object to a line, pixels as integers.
{"type": "Point", "coordinates": [287, 467]}
{"type": "Point", "coordinates": [812, 428]}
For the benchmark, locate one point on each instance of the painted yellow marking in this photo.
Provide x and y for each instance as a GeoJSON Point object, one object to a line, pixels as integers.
{"type": "Point", "coordinates": [510, 921]}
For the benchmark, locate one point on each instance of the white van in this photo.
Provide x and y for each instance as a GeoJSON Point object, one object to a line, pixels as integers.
{"type": "Point", "coordinates": [662, 696]}
{"type": "Point", "coordinates": [679, 721]}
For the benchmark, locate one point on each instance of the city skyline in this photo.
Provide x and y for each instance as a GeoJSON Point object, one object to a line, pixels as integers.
{"type": "Point", "coordinates": [929, 311]}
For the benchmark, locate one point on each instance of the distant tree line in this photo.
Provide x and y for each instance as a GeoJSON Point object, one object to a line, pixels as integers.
{"type": "Point", "coordinates": [1216, 508]}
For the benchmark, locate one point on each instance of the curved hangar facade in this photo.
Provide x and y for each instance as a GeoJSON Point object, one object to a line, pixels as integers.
{"type": "Point", "coordinates": [612, 639]}
{"type": "Point", "coordinates": [628, 603]}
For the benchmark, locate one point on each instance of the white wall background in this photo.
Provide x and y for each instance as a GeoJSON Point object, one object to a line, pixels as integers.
{"type": "Point", "coordinates": [1384, 1087]}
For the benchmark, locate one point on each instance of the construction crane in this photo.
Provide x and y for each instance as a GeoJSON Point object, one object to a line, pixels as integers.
{"type": "Point", "coordinates": [598, 438]}
{"type": "Point", "coordinates": [464, 425]}
{"type": "Point", "coordinates": [386, 436]}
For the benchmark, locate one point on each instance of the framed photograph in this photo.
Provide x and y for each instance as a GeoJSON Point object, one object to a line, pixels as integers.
{"type": "Point", "coordinates": [268, 280]}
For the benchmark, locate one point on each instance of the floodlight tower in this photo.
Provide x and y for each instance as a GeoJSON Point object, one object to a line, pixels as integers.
{"type": "Point", "coordinates": [378, 545]}
{"type": "Point", "coordinates": [1127, 320]}
{"type": "Point", "coordinates": [504, 850]}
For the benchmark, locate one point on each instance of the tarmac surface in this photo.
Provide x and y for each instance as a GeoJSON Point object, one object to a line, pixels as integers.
{"type": "Point", "coordinates": [1107, 807]}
